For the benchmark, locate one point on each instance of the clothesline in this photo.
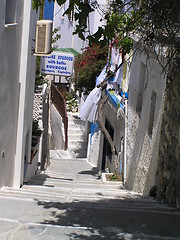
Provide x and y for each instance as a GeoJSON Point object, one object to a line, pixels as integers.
{"type": "Point", "coordinates": [88, 111]}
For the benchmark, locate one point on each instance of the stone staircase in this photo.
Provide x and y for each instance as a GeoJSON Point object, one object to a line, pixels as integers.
{"type": "Point", "coordinates": [77, 136]}
{"type": "Point", "coordinates": [75, 182]}
{"type": "Point", "coordinates": [69, 199]}
{"type": "Point", "coordinates": [66, 180]}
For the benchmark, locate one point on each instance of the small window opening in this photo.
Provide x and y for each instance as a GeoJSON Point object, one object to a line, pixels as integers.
{"type": "Point", "coordinates": [10, 15]}
{"type": "Point", "coordinates": [141, 85]}
{"type": "Point", "coordinates": [151, 115]}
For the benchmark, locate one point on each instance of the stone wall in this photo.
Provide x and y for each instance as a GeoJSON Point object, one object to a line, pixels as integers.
{"type": "Point", "coordinates": [168, 174]}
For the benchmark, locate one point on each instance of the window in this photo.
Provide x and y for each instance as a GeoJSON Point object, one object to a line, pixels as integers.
{"type": "Point", "coordinates": [141, 85]}
{"type": "Point", "coordinates": [151, 115]}
{"type": "Point", "coordinates": [10, 14]}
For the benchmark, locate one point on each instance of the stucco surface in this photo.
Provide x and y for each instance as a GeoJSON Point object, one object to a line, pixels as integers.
{"type": "Point", "coordinates": [142, 150]}
{"type": "Point", "coordinates": [17, 86]}
{"type": "Point", "coordinates": [10, 51]}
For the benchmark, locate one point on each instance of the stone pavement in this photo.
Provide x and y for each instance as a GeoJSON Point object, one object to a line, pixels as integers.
{"type": "Point", "coordinates": [69, 201]}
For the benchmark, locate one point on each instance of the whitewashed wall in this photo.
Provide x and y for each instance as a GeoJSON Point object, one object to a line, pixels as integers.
{"type": "Point", "coordinates": [10, 54]}
{"type": "Point", "coordinates": [17, 83]}
{"type": "Point", "coordinates": [142, 150]}
{"type": "Point", "coordinates": [66, 27]}
{"type": "Point", "coordinates": [27, 80]}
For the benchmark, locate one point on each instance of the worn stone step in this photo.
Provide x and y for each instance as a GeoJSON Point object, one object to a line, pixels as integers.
{"type": "Point", "coordinates": [111, 201]}
{"type": "Point", "coordinates": [76, 137]}
{"type": "Point", "coordinates": [75, 130]}
{"type": "Point", "coordinates": [35, 192]}
{"type": "Point", "coordinates": [68, 182]}
{"type": "Point", "coordinates": [73, 144]}
{"type": "Point", "coordinates": [75, 121]}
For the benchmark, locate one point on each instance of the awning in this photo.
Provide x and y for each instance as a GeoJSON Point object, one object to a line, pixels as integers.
{"type": "Point", "coordinates": [70, 50]}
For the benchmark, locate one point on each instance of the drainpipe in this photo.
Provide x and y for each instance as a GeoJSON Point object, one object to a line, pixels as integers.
{"type": "Point", "coordinates": [125, 143]}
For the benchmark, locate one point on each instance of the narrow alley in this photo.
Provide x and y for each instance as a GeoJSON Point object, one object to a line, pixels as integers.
{"type": "Point", "coordinates": [90, 120]}
{"type": "Point", "coordinates": [69, 201]}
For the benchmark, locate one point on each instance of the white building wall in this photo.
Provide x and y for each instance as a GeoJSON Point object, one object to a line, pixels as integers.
{"type": "Point", "coordinates": [67, 27]}
{"type": "Point", "coordinates": [96, 17]}
{"type": "Point", "coordinates": [16, 67]}
{"type": "Point", "coordinates": [27, 80]}
{"type": "Point", "coordinates": [10, 50]}
{"type": "Point", "coordinates": [142, 147]}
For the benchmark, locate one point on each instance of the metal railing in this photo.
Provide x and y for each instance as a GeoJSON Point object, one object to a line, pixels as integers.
{"type": "Point", "coordinates": [60, 104]}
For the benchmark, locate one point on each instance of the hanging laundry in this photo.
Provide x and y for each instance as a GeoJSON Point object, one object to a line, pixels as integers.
{"type": "Point", "coordinates": [128, 61]}
{"type": "Point", "coordinates": [114, 58]}
{"type": "Point", "coordinates": [88, 110]}
{"type": "Point", "coordinates": [119, 73]}
{"type": "Point", "coordinates": [114, 55]}
{"type": "Point", "coordinates": [101, 76]}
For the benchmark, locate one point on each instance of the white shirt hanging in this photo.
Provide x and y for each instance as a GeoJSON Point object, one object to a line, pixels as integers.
{"type": "Point", "coordinates": [114, 55]}
{"type": "Point", "coordinates": [88, 110]}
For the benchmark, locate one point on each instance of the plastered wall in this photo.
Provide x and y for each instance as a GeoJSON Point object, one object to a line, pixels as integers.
{"type": "Point", "coordinates": [10, 52]}
{"type": "Point", "coordinates": [144, 121]}
{"type": "Point", "coordinates": [17, 67]}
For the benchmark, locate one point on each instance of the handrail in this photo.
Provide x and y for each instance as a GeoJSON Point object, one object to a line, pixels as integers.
{"type": "Point", "coordinates": [60, 104]}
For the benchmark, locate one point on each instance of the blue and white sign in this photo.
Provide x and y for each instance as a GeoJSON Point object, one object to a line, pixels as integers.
{"type": "Point", "coordinates": [59, 63]}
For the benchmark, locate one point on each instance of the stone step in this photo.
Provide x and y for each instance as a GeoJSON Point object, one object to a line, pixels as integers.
{"type": "Point", "coordinates": [72, 114]}
{"type": "Point", "coordinates": [61, 160]}
{"type": "Point", "coordinates": [88, 200]}
{"type": "Point", "coordinates": [75, 121]}
{"type": "Point", "coordinates": [59, 154]}
{"type": "Point", "coordinates": [44, 191]}
{"type": "Point", "coordinates": [81, 180]}
{"type": "Point", "coordinates": [51, 182]}
{"type": "Point", "coordinates": [73, 144]}
{"type": "Point", "coordinates": [36, 193]}
{"type": "Point", "coordinates": [76, 137]}
{"type": "Point", "coordinates": [75, 130]}
{"type": "Point", "coordinates": [79, 152]}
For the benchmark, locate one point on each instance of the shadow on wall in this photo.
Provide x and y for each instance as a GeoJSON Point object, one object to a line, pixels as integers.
{"type": "Point", "coordinates": [57, 138]}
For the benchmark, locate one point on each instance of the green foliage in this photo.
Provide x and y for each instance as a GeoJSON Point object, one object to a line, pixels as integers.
{"type": "Point", "coordinates": [71, 102]}
{"type": "Point", "coordinates": [123, 17]}
{"type": "Point", "coordinates": [115, 177]}
{"type": "Point", "coordinates": [88, 66]}
{"type": "Point", "coordinates": [153, 21]}
{"type": "Point", "coordinates": [37, 3]}
{"type": "Point", "coordinates": [55, 37]}
{"type": "Point", "coordinates": [39, 78]}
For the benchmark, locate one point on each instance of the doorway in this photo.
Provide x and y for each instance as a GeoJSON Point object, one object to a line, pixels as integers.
{"type": "Point", "coordinates": [107, 154]}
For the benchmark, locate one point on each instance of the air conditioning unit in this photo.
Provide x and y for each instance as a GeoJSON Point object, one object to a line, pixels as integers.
{"type": "Point", "coordinates": [43, 37]}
